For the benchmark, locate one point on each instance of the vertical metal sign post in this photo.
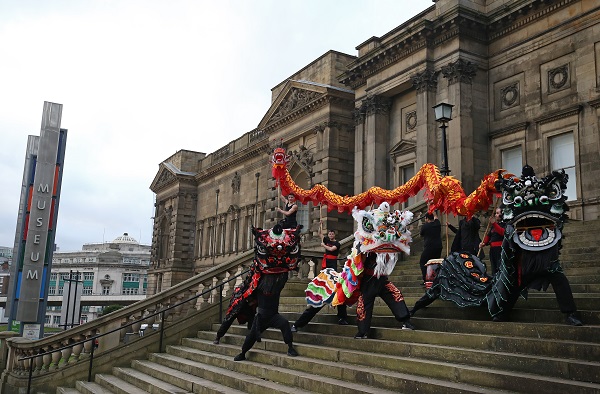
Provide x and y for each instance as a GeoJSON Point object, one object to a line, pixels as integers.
{"type": "Point", "coordinates": [70, 312]}
{"type": "Point", "coordinates": [36, 224]}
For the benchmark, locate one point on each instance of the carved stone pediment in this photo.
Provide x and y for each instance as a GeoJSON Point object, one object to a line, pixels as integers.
{"type": "Point", "coordinates": [402, 148]}
{"type": "Point", "coordinates": [162, 178]}
{"type": "Point", "coordinates": [166, 175]}
{"type": "Point", "coordinates": [294, 100]}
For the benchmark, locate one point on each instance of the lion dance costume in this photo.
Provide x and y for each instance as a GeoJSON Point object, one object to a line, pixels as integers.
{"type": "Point", "coordinates": [256, 300]}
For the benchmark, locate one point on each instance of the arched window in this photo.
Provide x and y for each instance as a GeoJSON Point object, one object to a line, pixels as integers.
{"type": "Point", "coordinates": [302, 179]}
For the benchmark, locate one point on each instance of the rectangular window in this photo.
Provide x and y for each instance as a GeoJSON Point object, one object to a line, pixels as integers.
{"type": "Point", "coordinates": [131, 277]}
{"type": "Point", "coordinates": [562, 156]}
{"type": "Point", "coordinates": [88, 276]}
{"type": "Point", "coordinates": [52, 290]}
{"type": "Point", "coordinates": [406, 173]}
{"type": "Point", "coordinates": [47, 319]}
{"type": "Point", "coordinates": [56, 320]}
{"type": "Point", "coordinates": [512, 160]}
{"type": "Point", "coordinates": [130, 291]}
{"type": "Point", "coordinates": [87, 290]}
{"type": "Point", "coordinates": [53, 276]}
{"type": "Point", "coordinates": [106, 290]}
{"type": "Point", "coordinates": [60, 290]}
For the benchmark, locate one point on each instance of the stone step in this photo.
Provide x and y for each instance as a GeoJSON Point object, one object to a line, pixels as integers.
{"type": "Point", "coordinates": [337, 373]}
{"type": "Point", "coordinates": [264, 365]}
{"type": "Point", "coordinates": [117, 385]}
{"type": "Point", "coordinates": [67, 390]}
{"type": "Point", "coordinates": [182, 377]}
{"type": "Point", "coordinates": [146, 382]}
{"type": "Point", "coordinates": [518, 314]}
{"type": "Point", "coordinates": [218, 373]}
{"type": "Point", "coordinates": [91, 388]}
{"type": "Point", "coordinates": [550, 331]}
{"type": "Point", "coordinates": [545, 300]}
{"type": "Point", "coordinates": [398, 358]}
{"type": "Point", "coordinates": [556, 350]}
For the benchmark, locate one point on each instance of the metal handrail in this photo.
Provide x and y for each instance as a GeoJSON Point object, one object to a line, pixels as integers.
{"type": "Point", "coordinates": [162, 327]}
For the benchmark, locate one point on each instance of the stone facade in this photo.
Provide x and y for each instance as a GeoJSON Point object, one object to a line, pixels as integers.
{"type": "Point", "coordinates": [522, 76]}
{"type": "Point", "coordinates": [206, 204]}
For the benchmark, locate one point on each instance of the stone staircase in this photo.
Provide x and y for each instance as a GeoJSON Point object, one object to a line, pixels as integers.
{"type": "Point", "coordinates": [453, 350]}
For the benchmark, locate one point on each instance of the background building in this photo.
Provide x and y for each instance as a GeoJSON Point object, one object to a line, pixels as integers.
{"type": "Point", "coordinates": [524, 82]}
{"type": "Point", "coordinates": [110, 273]}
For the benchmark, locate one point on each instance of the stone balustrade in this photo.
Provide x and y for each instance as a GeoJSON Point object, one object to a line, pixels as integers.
{"type": "Point", "coordinates": [129, 331]}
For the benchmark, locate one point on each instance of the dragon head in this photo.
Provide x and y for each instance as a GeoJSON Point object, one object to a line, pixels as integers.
{"type": "Point", "coordinates": [276, 250]}
{"type": "Point", "coordinates": [535, 207]}
{"type": "Point", "coordinates": [384, 232]}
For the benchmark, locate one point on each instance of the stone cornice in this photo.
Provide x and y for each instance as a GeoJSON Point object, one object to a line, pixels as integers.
{"type": "Point", "coordinates": [595, 103]}
{"type": "Point", "coordinates": [458, 21]}
{"type": "Point", "coordinates": [516, 18]}
{"type": "Point", "coordinates": [508, 130]}
{"type": "Point", "coordinates": [310, 107]}
{"type": "Point", "coordinates": [558, 115]}
{"type": "Point", "coordinates": [236, 159]}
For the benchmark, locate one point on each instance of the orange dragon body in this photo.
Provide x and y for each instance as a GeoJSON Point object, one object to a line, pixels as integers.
{"type": "Point", "coordinates": [441, 193]}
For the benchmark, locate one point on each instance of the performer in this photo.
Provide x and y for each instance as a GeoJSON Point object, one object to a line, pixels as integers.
{"type": "Point", "coordinates": [276, 252]}
{"type": "Point", "coordinates": [381, 235]}
{"type": "Point", "coordinates": [290, 210]}
{"type": "Point", "coordinates": [431, 232]}
{"type": "Point", "coordinates": [332, 250]}
{"type": "Point", "coordinates": [374, 285]}
{"type": "Point", "coordinates": [494, 238]}
{"type": "Point", "coordinates": [467, 236]}
{"type": "Point", "coordinates": [267, 315]}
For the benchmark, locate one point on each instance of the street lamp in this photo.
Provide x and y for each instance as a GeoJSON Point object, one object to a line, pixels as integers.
{"type": "Point", "coordinates": [443, 115]}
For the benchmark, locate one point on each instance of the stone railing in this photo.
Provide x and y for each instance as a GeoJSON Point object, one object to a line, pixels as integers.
{"type": "Point", "coordinates": [128, 333]}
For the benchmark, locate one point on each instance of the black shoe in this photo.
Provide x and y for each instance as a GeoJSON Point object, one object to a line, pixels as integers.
{"type": "Point", "coordinates": [292, 352]}
{"type": "Point", "coordinates": [407, 325]}
{"type": "Point", "coordinates": [294, 328]}
{"type": "Point", "coordinates": [216, 341]}
{"type": "Point", "coordinates": [499, 318]}
{"type": "Point", "coordinates": [343, 322]}
{"type": "Point", "coordinates": [259, 339]}
{"type": "Point", "coordinates": [573, 321]}
{"type": "Point", "coordinates": [360, 336]}
{"type": "Point", "coordinates": [240, 357]}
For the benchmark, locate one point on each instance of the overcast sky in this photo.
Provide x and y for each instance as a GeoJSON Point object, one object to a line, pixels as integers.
{"type": "Point", "coordinates": [140, 80]}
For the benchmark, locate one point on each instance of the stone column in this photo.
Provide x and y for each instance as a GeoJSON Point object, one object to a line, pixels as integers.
{"type": "Point", "coordinates": [460, 131]}
{"type": "Point", "coordinates": [376, 131]}
{"type": "Point", "coordinates": [359, 145]}
{"type": "Point", "coordinates": [425, 83]}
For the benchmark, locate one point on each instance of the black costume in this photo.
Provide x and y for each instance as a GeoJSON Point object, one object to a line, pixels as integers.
{"type": "Point", "coordinates": [289, 221]}
{"type": "Point", "coordinates": [267, 315]}
{"type": "Point", "coordinates": [371, 287]}
{"type": "Point", "coordinates": [432, 246]}
{"type": "Point", "coordinates": [467, 236]}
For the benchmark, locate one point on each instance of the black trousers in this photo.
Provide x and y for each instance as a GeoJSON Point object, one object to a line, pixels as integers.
{"type": "Point", "coordinates": [310, 312]}
{"type": "Point", "coordinates": [495, 258]}
{"type": "Point", "coordinates": [427, 255]}
{"type": "Point", "coordinates": [372, 287]}
{"type": "Point", "coordinates": [264, 321]}
{"type": "Point", "coordinates": [562, 291]}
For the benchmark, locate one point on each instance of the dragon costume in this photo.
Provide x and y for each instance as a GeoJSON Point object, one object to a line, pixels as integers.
{"type": "Point", "coordinates": [276, 252]}
{"type": "Point", "coordinates": [534, 213]}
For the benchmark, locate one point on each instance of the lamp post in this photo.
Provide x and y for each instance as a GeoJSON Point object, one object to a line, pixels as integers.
{"type": "Point", "coordinates": [443, 115]}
